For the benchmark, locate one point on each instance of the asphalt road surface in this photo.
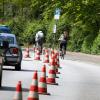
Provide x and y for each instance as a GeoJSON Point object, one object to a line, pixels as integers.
{"type": "Point", "coordinates": [78, 80]}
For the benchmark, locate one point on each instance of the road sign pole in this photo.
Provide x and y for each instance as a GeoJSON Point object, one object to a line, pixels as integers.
{"type": "Point", "coordinates": [56, 17]}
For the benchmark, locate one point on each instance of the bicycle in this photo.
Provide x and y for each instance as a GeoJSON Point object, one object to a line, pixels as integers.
{"type": "Point", "coordinates": [62, 53]}
{"type": "Point", "coordinates": [39, 47]}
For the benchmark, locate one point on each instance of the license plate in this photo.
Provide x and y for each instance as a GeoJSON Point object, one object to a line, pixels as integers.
{"type": "Point", "coordinates": [12, 59]}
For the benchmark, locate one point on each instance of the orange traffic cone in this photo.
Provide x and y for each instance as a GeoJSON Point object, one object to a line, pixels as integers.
{"type": "Point", "coordinates": [57, 63]}
{"type": "Point", "coordinates": [33, 93]}
{"type": "Point", "coordinates": [37, 55]}
{"type": "Point", "coordinates": [26, 55]}
{"type": "Point", "coordinates": [51, 79]}
{"type": "Point", "coordinates": [18, 94]}
{"type": "Point", "coordinates": [46, 59]}
{"type": "Point", "coordinates": [42, 88]}
{"type": "Point", "coordinates": [52, 58]}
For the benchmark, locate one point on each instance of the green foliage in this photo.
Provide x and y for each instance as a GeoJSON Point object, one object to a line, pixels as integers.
{"type": "Point", "coordinates": [96, 45]}
{"type": "Point", "coordinates": [76, 39]}
{"type": "Point", "coordinates": [17, 26]}
{"type": "Point", "coordinates": [87, 43]}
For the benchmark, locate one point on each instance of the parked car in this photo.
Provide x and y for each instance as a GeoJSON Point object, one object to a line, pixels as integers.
{"type": "Point", "coordinates": [4, 29]}
{"type": "Point", "coordinates": [12, 51]}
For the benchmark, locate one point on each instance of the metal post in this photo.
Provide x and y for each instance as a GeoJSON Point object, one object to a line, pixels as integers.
{"type": "Point", "coordinates": [56, 17]}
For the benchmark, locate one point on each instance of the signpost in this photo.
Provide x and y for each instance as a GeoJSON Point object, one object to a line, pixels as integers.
{"type": "Point", "coordinates": [56, 17]}
{"type": "Point", "coordinates": [54, 28]}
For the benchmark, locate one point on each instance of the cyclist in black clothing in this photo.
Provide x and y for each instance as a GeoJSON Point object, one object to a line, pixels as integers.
{"type": "Point", "coordinates": [63, 41]}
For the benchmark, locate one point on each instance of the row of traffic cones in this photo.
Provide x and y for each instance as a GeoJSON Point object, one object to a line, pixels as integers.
{"type": "Point", "coordinates": [35, 87]}
{"type": "Point", "coordinates": [47, 59]}
{"type": "Point", "coordinates": [53, 56]}
{"type": "Point", "coordinates": [37, 54]}
{"type": "Point", "coordinates": [41, 87]}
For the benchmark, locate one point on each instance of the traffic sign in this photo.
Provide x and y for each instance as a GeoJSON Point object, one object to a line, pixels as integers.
{"type": "Point", "coordinates": [57, 13]}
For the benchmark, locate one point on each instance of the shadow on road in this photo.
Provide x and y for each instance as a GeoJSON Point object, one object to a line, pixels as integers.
{"type": "Point", "coordinates": [24, 70]}
{"type": "Point", "coordinates": [27, 60]}
{"type": "Point", "coordinates": [27, 70]}
{"type": "Point", "coordinates": [9, 69]}
{"type": "Point", "coordinates": [7, 88]}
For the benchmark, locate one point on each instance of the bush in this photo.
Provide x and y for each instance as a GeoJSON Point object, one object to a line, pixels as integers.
{"type": "Point", "coordinates": [96, 45]}
{"type": "Point", "coordinates": [17, 26]}
{"type": "Point", "coordinates": [76, 39]}
{"type": "Point", "coordinates": [87, 43]}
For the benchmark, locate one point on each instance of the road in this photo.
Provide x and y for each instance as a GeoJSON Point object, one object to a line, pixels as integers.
{"type": "Point", "coordinates": [78, 80]}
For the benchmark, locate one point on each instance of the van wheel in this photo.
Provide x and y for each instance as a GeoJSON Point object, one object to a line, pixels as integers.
{"type": "Point", "coordinates": [18, 67]}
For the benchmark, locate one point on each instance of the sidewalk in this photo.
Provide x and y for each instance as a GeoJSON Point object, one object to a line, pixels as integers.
{"type": "Point", "coordinates": [83, 57]}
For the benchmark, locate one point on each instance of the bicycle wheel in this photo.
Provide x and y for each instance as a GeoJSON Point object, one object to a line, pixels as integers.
{"type": "Point", "coordinates": [39, 47]}
{"type": "Point", "coordinates": [62, 53]}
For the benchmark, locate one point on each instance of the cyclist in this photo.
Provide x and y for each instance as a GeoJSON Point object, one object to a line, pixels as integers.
{"type": "Point", "coordinates": [63, 41]}
{"type": "Point", "coordinates": [39, 40]}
